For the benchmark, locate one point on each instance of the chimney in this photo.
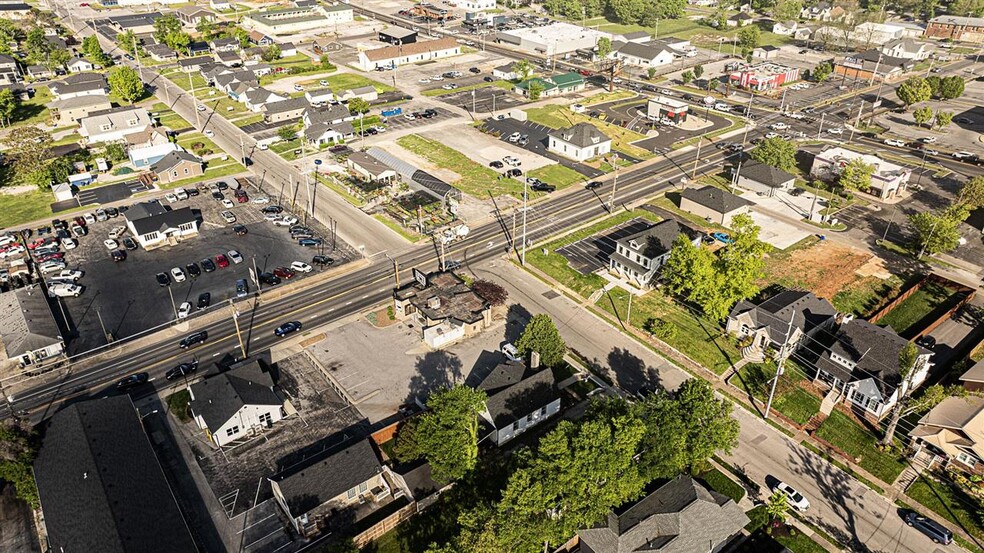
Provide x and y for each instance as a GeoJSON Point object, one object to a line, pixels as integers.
{"type": "Point", "coordinates": [534, 360]}
{"type": "Point", "coordinates": [434, 302]}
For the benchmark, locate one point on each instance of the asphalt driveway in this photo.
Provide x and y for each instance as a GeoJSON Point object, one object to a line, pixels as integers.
{"type": "Point", "coordinates": [538, 142]}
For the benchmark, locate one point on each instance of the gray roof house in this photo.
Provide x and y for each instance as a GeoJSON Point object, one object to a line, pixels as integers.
{"type": "Point", "coordinates": [681, 516]}
{"type": "Point", "coordinates": [639, 256]}
{"type": "Point", "coordinates": [518, 399]}
{"type": "Point", "coordinates": [287, 110]}
{"type": "Point", "coordinates": [337, 480]}
{"type": "Point", "coordinates": [763, 178]}
{"type": "Point", "coordinates": [580, 142]}
{"type": "Point", "coordinates": [789, 317]}
{"type": "Point", "coordinates": [329, 133]}
{"type": "Point", "coordinates": [236, 404]}
{"type": "Point", "coordinates": [224, 44]}
{"type": "Point", "coordinates": [79, 84]}
{"type": "Point", "coordinates": [713, 204]}
{"type": "Point", "coordinates": [101, 486]}
{"type": "Point", "coordinates": [160, 52]}
{"type": "Point", "coordinates": [28, 328]}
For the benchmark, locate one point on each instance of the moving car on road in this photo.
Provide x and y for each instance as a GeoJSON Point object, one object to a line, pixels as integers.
{"type": "Point", "coordinates": [936, 531]}
{"type": "Point", "coordinates": [181, 370]}
{"type": "Point", "coordinates": [132, 381]}
{"type": "Point", "coordinates": [193, 339]}
{"type": "Point", "coordinates": [287, 328]}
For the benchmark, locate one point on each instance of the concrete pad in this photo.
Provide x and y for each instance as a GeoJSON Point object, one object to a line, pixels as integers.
{"type": "Point", "coordinates": [775, 232]}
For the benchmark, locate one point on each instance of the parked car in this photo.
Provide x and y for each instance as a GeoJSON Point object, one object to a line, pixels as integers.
{"type": "Point", "coordinates": [322, 260]}
{"type": "Point", "coordinates": [110, 244]}
{"type": "Point", "coordinates": [795, 499]}
{"type": "Point", "coordinates": [184, 310]}
{"type": "Point", "coordinates": [228, 216]}
{"type": "Point", "coordinates": [284, 273]}
{"type": "Point", "coordinates": [208, 265]}
{"type": "Point", "coordinates": [221, 261]}
{"type": "Point", "coordinates": [177, 274]}
{"type": "Point", "coordinates": [163, 279]}
{"type": "Point", "coordinates": [269, 279]}
{"type": "Point", "coordinates": [936, 531]}
{"type": "Point", "coordinates": [193, 339]}
{"type": "Point", "coordinates": [242, 288]}
{"type": "Point", "coordinates": [51, 266]}
{"type": "Point", "coordinates": [204, 300]}
{"type": "Point", "coordinates": [496, 164]}
{"type": "Point", "coordinates": [309, 242]}
{"type": "Point", "coordinates": [287, 328]}
{"type": "Point", "coordinates": [722, 237]}
{"type": "Point", "coordinates": [235, 257]}
{"type": "Point", "coordinates": [181, 370]}
{"type": "Point", "coordinates": [512, 161]}
{"type": "Point", "coordinates": [240, 230]}
{"type": "Point", "coordinates": [64, 290]}
{"type": "Point", "coordinates": [132, 381]}
{"type": "Point", "coordinates": [129, 243]}
{"type": "Point", "coordinates": [68, 274]}
{"type": "Point", "coordinates": [192, 270]}
{"type": "Point", "coordinates": [118, 255]}
{"type": "Point", "coordinates": [301, 267]}
{"type": "Point", "coordinates": [511, 352]}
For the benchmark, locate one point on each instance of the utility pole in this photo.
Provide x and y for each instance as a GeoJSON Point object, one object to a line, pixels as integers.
{"type": "Point", "coordinates": [396, 271]}
{"type": "Point", "coordinates": [242, 149]}
{"type": "Point", "coordinates": [890, 221]}
{"type": "Point", "coordinates": [611, 199]}
{"type": "Point", "coordinates": [748, 119]}
{"type": "Point", "coordinates": [628, 310]}
{"type": "Point", "coordinates": [820, 129]}
{"type": "Point", "coordinates": [856, 123]}
{"type": "Point", "coordinates": [734, 179]}
{"type": "Point", "coordinates": [136, 54]}
{"type": "Point", "coordinates": [174, 308]}
{"type": "Point", "coordinates": [522, 259]}
{"type": "Point", "coordinates": [256, 275]}
{"type": "Point", "coordinates": [109, 337]}
{"type": "Point", "coordinates": [235, 321]}
{"type": "Point", "coordinates": [779, 366]}
{"type": "Point", "coordinates": [198, 121]}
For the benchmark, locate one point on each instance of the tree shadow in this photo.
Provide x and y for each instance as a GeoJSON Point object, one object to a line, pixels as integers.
{"type": "Point", "coordinates": [435, 370]}
{"type": "Point", "coordinates": [632, 373]}
{"type": "Point", "coordinates": [516, 318]}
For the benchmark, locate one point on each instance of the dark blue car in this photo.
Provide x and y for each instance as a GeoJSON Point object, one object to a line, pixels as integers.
{"type": "Point", "coordinates": [287, 328]}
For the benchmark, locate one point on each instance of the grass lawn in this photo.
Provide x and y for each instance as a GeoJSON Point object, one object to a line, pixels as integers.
{"type": "Point", "coordinates": [699, 338]}
{"type": "Point", "coordinates": [684, 28]}
{"type": "Point", "coordinates": [213, 170]}
{"type": "Point", "coordinates": [344, 81]}
{"type": "Point", "coordinates": [248, 120]}
{"type": "Point", "coordinates": [185, 140]}
{"type": "Point", "coordinates": [862, 297]}
{"type": "Point", "coordinates": [476, 180]}
{"type": "Point", "coordinates": [286, 148]}
{"type": "Point", "coordinates": [33, 111]}
{"type": "Point", "coordinates": [556, 265]}
{"type": "Point", "coordinates": [791, 400]}
{"type": "Point", "coordinates": [786, 536]}
{"type": "Point", "coordinates": [723, 484]}
{"type": "Point", "coordinates": [861, 444]}
{"type": "Point", "coordinates": [407, 235]}
{"type": "Point", "coordinates": [168, 118]}
{"type": "Point", "coordinates": [670, 202]}
{"type": "Point", "coordinates": [952, 504]}
{"type": "Point", "coordinates": [930, 299]}
{"type": "Point", "coordinates": [181, 79]}
{"type": "Point", "coordinates": [557, 175]}
{"type": "Point", "coordinates": [70, 138]}
{"type": "Point", "coordinates": [177, 403]}
{"type": "Point", "coordinates": [16, 209]}
{"type": "Point", "coordinates": [556, 117]}
{"type": "Point", "coordinates": [603, 97]}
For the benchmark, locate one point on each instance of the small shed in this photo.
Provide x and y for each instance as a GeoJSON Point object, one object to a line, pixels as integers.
{"type": "Point", "coordinates": [62, 192]}
{"type": "Point", "coordinates": [81, 179]}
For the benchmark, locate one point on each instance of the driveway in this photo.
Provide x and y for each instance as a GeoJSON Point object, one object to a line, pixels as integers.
{"type": "Point", "coordinates": [102, 195]}
{"type": "Point", "coordinates": [538, 143]}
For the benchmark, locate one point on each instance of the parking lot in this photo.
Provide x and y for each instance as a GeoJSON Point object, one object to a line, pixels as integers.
{"type": "Point", "coordinates": [124, 297]}
{"type": "Point", "coordinates": [538, 142]}
{"type": "Point", "coordinates": [593, 253]}
{"type": "Point", "coordinates": [489, 99]}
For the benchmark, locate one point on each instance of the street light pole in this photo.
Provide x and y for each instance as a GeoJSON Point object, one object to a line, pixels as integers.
{"type": "Point", "coordinates": [522, 260]}
{"type": "Point", "coordinates": [235, 321]}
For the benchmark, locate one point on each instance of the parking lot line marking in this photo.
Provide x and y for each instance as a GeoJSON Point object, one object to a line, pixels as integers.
{"type": "Point", "coordinates": [216, 354]}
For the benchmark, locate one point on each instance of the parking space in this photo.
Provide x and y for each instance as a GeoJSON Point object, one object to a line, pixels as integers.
{"type": "Point", "coordinates": [124, 297]}
{"type": "Point", "coordinates": [593, 253]}
{"type": "Point", "coordinates": [538, 142]}
{"type": "Point", "coordinates": [489, 99]}
{"type": "Point", "coordinates": [777, 233]}
{"type": "Point", "coordinates": [401, 121]}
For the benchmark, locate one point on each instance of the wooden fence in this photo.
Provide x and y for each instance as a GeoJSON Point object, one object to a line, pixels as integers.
{"type": "Point", "coordinates": [385, 525]}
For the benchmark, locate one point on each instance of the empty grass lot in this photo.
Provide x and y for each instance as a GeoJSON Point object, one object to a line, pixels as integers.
{"type": "Point", "coordinates": [841, 431]}
{"type": "Point", "coordinates": [790, 400]}
{"type": "Point", "coordinates": [476, 180]}
{"type": "Point", "coordinates": [345, 81]}
{"type": "Point", "coordinates": [557, 117]}
{"type": "Point", "coordinates": [603, 97]}
{"type": "Point", "coordinates": [16, 209]}
{"type": "Point", "coordinates": [33, 111]}
{"type": "Point", "coordinates": [557, 175]}
{"type": "Point", "coordinates": [684, 28]}
{"type": "Point", "coordinates": [930, 298]}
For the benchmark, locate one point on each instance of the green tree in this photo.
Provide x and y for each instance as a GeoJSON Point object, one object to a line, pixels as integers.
{"type": "Point", "coordinates": [627, 11]}
{"type": "Point", "coordinates": [165, 26]}
{"type": "Point", "coordinates": [324, 62]}
{"type": "Point", "coordinates": [909, 365]}
{"type": "Point", "coordinates": [687, 76]}
{"type": "Point", "coordinates": [935, 83]}
{"type": "Point", "coordinates": [943, 119]}
{"type": "Point", "coordinates": [971, 8]}
{"type": "Point", "coordinates": [446, 434]}
{"type": "Point", "coordinates": [822, 71]}
{"type": "Point", "coordinates": [688, 269]}
{"type": "Point", "coordinates": [952, 87]}
{"type": "Point", "coordinates": [242, 35]}
{"type": "Point", "coordinates": [30, 149]}
{"type": "Point", "coordinates": [856, 175]}
{"type": "Point", "coordinates": [541, 336]}
{"type": "Point", "coordinates": [272, 53]}
{"type": "Point", "coordinates": [127, 42]}
{"type": "Point", "coordinates": [971, 193]}
{"type": "Point", "coordinates": [523, 68]}
{"type": "Point", "coordinates": [776, 152]}
{"type": "Point", "coordinates": [713, 84]}
{"type": "Point", "coordinates": [651, 73]}
{"type": "Point", "coordinates": [913, 91]}
{"type": "Point", "coordinates": [534, 89]}
{"type": "Point", "coordinates": [57, 59]}
{"type": "Point", "coordinates": [125, 83]}
{"type": "Point", "coordinates": [59, 169]}
{"type": "Point", "coordinates": [787, 10]}
{"type": "Point", "coordinates": [115, 151]}
{"type": "Point", "coordinates": [18, 449]}
{"type": "Point", "coordinates": [604, 47]}
{"type": "Point", "coordinates": [777, 507]}
{"type": "Point", "coordinates": [358, 106]}
{"type": "Point", "coordinates": [179, 42]}
{"type": "Point", "coordinates": [739, 266]}
{"type": "Point", "coordinates": [37, 45]}
{"type": "Point", "coordinates": [922, 115]}
{"type": "Point", "coordinates": [748, 38]}
{"type": "Point", "coordinates": [287, 132]}
{"type": "Point", "coordinates": [937, 232]}
{"type": "Point", "coordinates": [698, 71]}
{"type": "Point", "coordinates": [9, 102]}
{"type": "Point", "coordinates": [206, 28]}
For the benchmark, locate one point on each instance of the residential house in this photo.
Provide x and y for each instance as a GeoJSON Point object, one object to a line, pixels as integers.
{"type": "Point", "coordinates": [259, 69]}
{"type": "Point", "coordinates": [147, 148]}
{"type": "Point", "coordinates": [906, 49]}
{"type": "Point", "coordinates": [822, 11]}
{"type": "Point", "coordinates": [287, 49]}
{"type": "Point", "coordinates": [198, 48]}
{"type": "Point", "coordinates": [28, 329]}
{"type": "Point", "coordinates": [681, 516]}
{"type": "Point", "coordinates": [177, 165]}
{"type": "Point", "coordinates": [114, 124]}
{"type": "Point", "coordinates": [100, 485]}
{"type": "Point", "coordinates": [320, 95]}
{"type": "Point", "coordinates": [780, 323]}
{"type": "Point", "coordinates": [345, 482]}
{"type": "Point", "coordinates": [329, 133]}
{"type": "Point", "coordinates": [444, 308]}
{"type": "Point", "coordinates": [288, 110]}
{"type": "Point", "coordinates": [960, 29]}
{"type": "Point", "coordinates": [785, 28]}
{"type": "Point", "coordinates": [160, 52]}
{"type": "Point", "coordinates": [416, 52]}
{"type": "Point", "coordinates": [138, 23]}
{"type": "Point", "coordinates": [639, 256]}
{"type": "Point", "coordinates": [78, 65]}
{"type": "Point", "coordinates": [235, 82]}
{"type": "Point", "coordinates": [369, 168]}
{"type": "Point", "coordinates": [254, 53]}
{"type": "Point", "coordinates": [224, 44]}
{"type": "Point", "coordinates": [19, 90]}
{"type": "Point", "coordinates": [506, 72]}
{"type": "Point", "coordinates": [713, 204]}
{"type": "Point", "coordinates": [953, 432]}
{"type": "Point", "coordinates": [36, 72]}
{"type": "Point", "coordinates": [257, 98]}
{"type": "Point", "coordinates": [860, 364]}
{"type": "Point", "coordinates": [565, 83]}
{"type": "Point", "coordinates": [190, 16]}
{"type": "Point", "coordinates": [580, 142]}
{"type": "Point", "coordinates": [153, 226]}
{"type": "Point", "coordinates": [228, 59]}
{"type": "Point", "coordinates": [739, 19]}
{"type": "Point", "coordinates": [14, 11]}
{"type": "Point", "coordinates": [872, 65]}
{"type": "Point", "coordinates": [191, 65]}
{"type": "Point", "coordinates": [56, 42]}
{"type": "Point", "coordinates": [643, 55]}
{"type": "Point", "coordinates": [518, 399]}
{"type": "Point", "coordinates": [259, 39]}
{"type": "Point", "coordinates": [72, 110]}
{"type": "Point", "coordinates": [332, 114]}
{"type": "Point", "coordinates": [367, 93]}
{"type": "Point", "coordinates": [973, 379]}
{"type": "Point", "coordinates": [220, 5]}
{"type": "Point", "coordinates": [236, 404]}
{"type": "Point", "coordinates": [326, 45]}
{"type": "Point", "coordinates": [765, 52]}
{"type": "Point", "coordinates": [10, 71]}
{"type": "Point", "coordinates": [80, 84]}
{"type": "Point", "coordinates": [887, 181]}
{"type": "Point", "coordinates": [763, 178]}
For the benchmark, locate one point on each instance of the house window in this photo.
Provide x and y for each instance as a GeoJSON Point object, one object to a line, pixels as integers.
{"type": "Point", "coordinates": [515, 426]}
{"type": "Point", "coordinates": [174, 173]}
{"type": "Point", "coordinates": [352, 493]}
{"type": "Point", "coordinates": [150, 236]}
{"type": "Point", "coordinates": [266, 418]}
{"type": "Point", "coordinates": [543, 411]}
{"type": "Point", "coordinates": [966, 459]}
{"type": "Point", "coordinates": [105, 127]}
{"type": "Point", "coordinates": [186, 170]}
{"type": "Point", "coordinates": [232, 431]}
{"type": "Point", "coordinates": [363, 487]}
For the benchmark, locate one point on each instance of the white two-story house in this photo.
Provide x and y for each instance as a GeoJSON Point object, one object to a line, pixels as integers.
{"type": "Point", "coordinates": [638, 257]}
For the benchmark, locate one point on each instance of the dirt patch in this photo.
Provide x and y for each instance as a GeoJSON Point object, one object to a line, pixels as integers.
{"type": "Point", "coordinates": [824, 268]}
{"type": "Point", "coordinates": [381, 318]}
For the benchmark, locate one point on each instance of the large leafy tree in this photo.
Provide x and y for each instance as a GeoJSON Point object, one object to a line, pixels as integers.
{"type": "Point", "coordinates": [972, 193]}
{"type": "Point", "coordinates": [206, 28]}
{"type": "Point", "coordinates": [534, 89]}
{"type": "Point", "coordinates": [127, 41]}
{"type": "Point", "coordinates": [935, 83]}
{"type": "Point", "coordinates": [909, 366]}
{"type": "Point", "coordinates": [972, 8]}
{"type": "Point", "coordinates": [913, 91]}
{"type": "Point", "coordinates": [8, 105]}
{"type": "Point", "coordinates": [30, 149]}
{"type": "Point", "coordinates": [37, 45]}
{"type": "Point", "coordinates": [776, 152]}
{"type": "Point", "coordinates": [951, 87]}
{"type": "Point", "coordinates": [125, 83]}
{"type": "Point", "coordinates": [604, 47]}
{"type": "Point", "coordinates": [272, 53]}
{"type": "Point", "coordinates": [242, 35]}
{"type": "Point", "coordinates": [18, 448]}
{"type": "Point", "coordinates": [748, 38]}
{"type": "Point", "coordinates": [541, 336]}
{"type": "Point", "coordinates": [822, 71]}
{"type": "Point", "coordinates": [446, 434]}
{"type": "Point", "coordinates": [165, 26]}
{"type": "Point", "coordinates": [943, 119]}
{"type": "Point", "coordinates": [787, 10]}
{"type": "Point", "coordinates": [358, 106]}
{"type": "Point", "coordinates": [856, 175]}
{"type": "Point", "coordinates": [937, 232]}
{"type": "Point", "coordinates": [523, 68]}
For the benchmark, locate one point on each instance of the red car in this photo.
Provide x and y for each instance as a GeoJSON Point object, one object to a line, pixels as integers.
{"type": "Point", "coordinates": [50, 257]}
{"type": "Point", "coordinates": [80, 222]}
{"type": "Point", "coordinates": [222, 261]}
{"type": "Point", "coordinates": [38, 242]}
{"type": "Point", "coordinates": [585, 72]}
{"type": "Point", "coordinates": [242, 198]}
{"type": "Point", "coordinates": [284, 273]}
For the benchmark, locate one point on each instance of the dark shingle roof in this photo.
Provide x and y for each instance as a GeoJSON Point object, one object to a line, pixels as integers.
{"type": "Point", "coordinates": [642, 51]}
{"type": "Point", "coordinates": [164, 221]}
{"type": "Point", "coordinates": [195, 62]}
{"type": "Point", "coordinates": [101, 486]}
{"type": "Point", "coordinates": [26, 321]}
{"type": "Point", "coordinates": [807, 310]}
{"type": "Point", "coordinates": [174, 158]}
{"type": "Point", "coordinates": [657, 239]}
{"type": "Point", "coordinates": [765, 174]}
{"type": "Point", "coordinates": [314, 481]}
{"type": "Point", "coordinates": [290, 104]}
{"type": "Point", "coordinates": [581, 135]}
{"type": "Point", "coordinates": [220, 397]}
{"type": "Point", "coordinates": [514, 392]}
{"type": "Point", "coordinates": [714, 198]}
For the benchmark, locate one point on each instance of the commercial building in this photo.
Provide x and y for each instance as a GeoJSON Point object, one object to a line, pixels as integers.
{"type": "Point", "coordinates": [661, 107]}
{"type": "Point", "coordinates": [100, 485]}
{"type": "Point", "coordinates": [476, 5]}
{"type": "Point", "coordinates": [580, 142]}
{"type": "Point", "coordinates": [114, 125]}
{"type": "Point", "coordinates": [873, 65]}
{"type": "Point", "coordinates": [236, 404]}
{"type": "Point", "coordinates": [713, 204]}
{"type": "Point", "coordinates": [369, 168]}
{"type": "Point", "coordinates": [287, 21]}
{"type": "Point", "coordinates": [638, 257]}
{"type": "Point", "coordinates": [28, 328]}
{"type": "Point", "coordinates": [192, 15]}
{"type": "Point", "coordinates": [552, 86]}
{"type": "Point", "coordinates": [556, 39]}
{"type": "Point", "coordinates": [138, 23]}
{"type": "Point", "coordinates": [14, 11]}
{"type": "Point", "coordinates": [961, 29]}
{"type": "Point", "coordinates": [153, 226]}
{"type": "Point", "coordinates": [397, 36]}
{"type": "Point", "coordinates": [764, 76]}
{"type": "Point", "coordinates": [445, 308]}
{"type": "Point", "coordinates": [887, 180]}
{"type": "Point", "coordinates": [643, 55]}
{"type": "Point", "coordinates": [395, 56]}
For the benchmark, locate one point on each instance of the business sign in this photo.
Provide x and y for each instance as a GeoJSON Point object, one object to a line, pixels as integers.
{"type": "Point", "coordinates": [420, 277]}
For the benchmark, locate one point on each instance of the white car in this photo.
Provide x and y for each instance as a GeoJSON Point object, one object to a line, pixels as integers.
{"type": "Point", "coordinates": [771, 134]}
{"type": "Point", "coordinates": [117, 232]}
{"type": "Point", "coordinates": [110, 244]}
{"type": "Point", "coordinates": [261, 200]}
{"type": "Point", "coordinates": [52, 266]}
{"type": "Point", "coordinates": [235, 256]}
{"type": "Point", "coordinates": [300, 267]}
{"type": "Point", "coordinates": [797, 116]}
{"type": "Point", "coordinates": [450, 86]}
{"type": "Point", "coordinates": [171, 197]}
{"type": "Point", "coordinates": [511, 352]}
{"type": "Point", "coordinates": [894, 142]}
{"type": "Point", "coordinates": [511, 161]}
{"type": "Point", "coordinates": [514, 137]}
{"type": "Point", "coordinates": [68, 274]}
{"type": "Point", "coordinates": [89, 218]}
{"type": "Point", "coordinates": [778, 126]}
{"type": "Point", "coordinates": [286, 221]}
{"type": "Point", "coordinates": [793, 497]}
{"type": "Point", "coordinates": [962, 155]}
{"type": "Point", "coordinates": [227, 203]}
{"type": "Point", "coordinates": [64, 290]}
{"type": "Point", "coordinates": [13, 251]}
{"type": "Point", "coordinates": [437, 78]}
{"type": "Point", "coordinates": [409, 116]}
{"type": "Point", "coordinates": [425, 80]}
{"type": "Point", "coordinates": [323, 82]}
{"type": "Point", "coordinates": [229, 217]}
{"type": "Point", "coordinates": [721, 106]}
{"type": "Point", "coordinates": [273, 217]}
{"type": "Point", "coordinates": [836, 130]}
{"type": "Point", "coordinates": [201, 107]}
{"type": "Point", "coordinates": [181, 194]}
{"type": "Point", "coordinates": [68, 243]}
{"type": "Point", "coordinates": [928, 139]}
{"type": "Point", "coordinates": [298, 88]}
{"type": "Point", "coordinates": [184, 310]}
{"type": "Point", "coordinates": [177, 274]}
{"type": "Point", "coordinates": [209, 133]}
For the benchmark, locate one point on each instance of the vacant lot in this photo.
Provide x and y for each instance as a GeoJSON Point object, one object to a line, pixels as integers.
{"type": "Point", "coordinates": [476, 180]}
{"type": "Point", "coordinates": [823, 268]}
